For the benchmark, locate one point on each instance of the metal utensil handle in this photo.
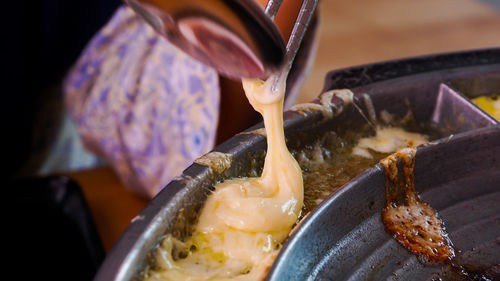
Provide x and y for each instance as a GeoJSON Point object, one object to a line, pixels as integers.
{"type": "Point", "coordinates": [298, 31]}
{"type": "Point", "coordinates": [272, 8]}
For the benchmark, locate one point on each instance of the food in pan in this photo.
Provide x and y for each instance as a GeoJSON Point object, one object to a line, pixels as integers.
{"type": "Point", "coordinates": [334, 160]}
{"type": "Point", "coordinates": [388, 140]}
{"type": "Point", "coordinates": [244, 220]}
{"type": "Point", "coordinates": [411, 220]}
{"type": "Point", "coordinates": [490, 104]}
{"type": "Point", "coordinates": [327, 164]}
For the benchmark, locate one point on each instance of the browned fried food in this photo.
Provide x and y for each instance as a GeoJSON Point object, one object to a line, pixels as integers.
{"type": "Point", "coordinates": [411, 220]}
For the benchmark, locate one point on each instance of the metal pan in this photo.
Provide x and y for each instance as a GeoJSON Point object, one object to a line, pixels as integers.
{"type": "Point", "coordinates": [345, 239]}
{"type": "Point", "coordinates": [424, 86]}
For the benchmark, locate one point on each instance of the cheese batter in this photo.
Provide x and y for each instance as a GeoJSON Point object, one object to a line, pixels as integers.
{"type": "Point", "coordinates": [244, 221]}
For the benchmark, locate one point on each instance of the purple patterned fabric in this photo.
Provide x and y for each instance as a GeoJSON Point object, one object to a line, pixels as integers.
{"type": "Point", "coordinates": [142, 104]}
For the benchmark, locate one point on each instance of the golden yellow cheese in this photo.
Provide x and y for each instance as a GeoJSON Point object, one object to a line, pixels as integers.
{"type": "Point", "coordinates": [243, 221]}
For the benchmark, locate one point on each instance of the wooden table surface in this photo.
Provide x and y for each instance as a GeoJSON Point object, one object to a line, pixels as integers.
{"type": "Point", "coordinates": [359, 32]}
{"type": "Point", "coordinates": [351, 33]}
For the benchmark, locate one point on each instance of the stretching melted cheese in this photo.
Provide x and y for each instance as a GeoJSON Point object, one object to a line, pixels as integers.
{"type": "Point", "coordinates": [244, 221]}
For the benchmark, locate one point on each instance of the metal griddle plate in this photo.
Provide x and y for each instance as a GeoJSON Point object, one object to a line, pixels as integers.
{"type": "Point", "coordinates": [344, 239]}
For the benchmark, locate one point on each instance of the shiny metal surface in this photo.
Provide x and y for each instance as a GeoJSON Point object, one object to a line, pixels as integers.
{"type": "Point", "coordinates": [345, 239]}
{"type": "Point", "coordinates": [299, 29]}
{"type": "Point", "coordinates": [421, 82]}
{"type": "Point", "coordinates": [235, 37]}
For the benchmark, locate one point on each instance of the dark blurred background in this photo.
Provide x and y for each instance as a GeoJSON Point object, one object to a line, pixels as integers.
{"type": "Point", "coordinates": [43, 38]}
{"type": "Point", "coordinates": [49, 223]}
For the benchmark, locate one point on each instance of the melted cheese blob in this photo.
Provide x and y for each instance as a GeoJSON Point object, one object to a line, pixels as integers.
{"type": "Point", "coordinates": [490, 104]}
{"type": "Point", "coordinates": [244, 220]}
{"type": "Point", "coordinates": [388, 140]}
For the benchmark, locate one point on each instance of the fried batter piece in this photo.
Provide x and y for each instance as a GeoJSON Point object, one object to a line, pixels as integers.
{"type": "Point", "coordinates": [411, 220]}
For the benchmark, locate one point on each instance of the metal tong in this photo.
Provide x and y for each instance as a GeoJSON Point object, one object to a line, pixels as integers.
{"type": "Point", "coordinates": [298, 31]}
